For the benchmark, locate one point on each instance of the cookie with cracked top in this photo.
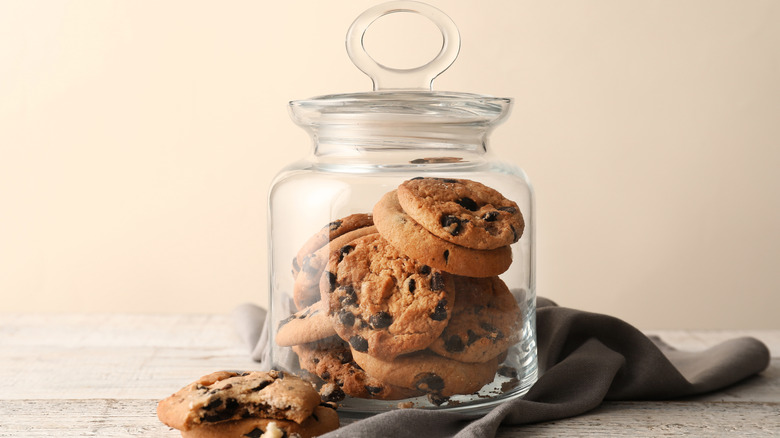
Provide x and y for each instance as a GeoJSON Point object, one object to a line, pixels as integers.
{"type": "Point", "coordinates": [322, 420]}
{"type": "Point", "coordinates": [331, 360]}
{"type": "Point", "coordinates": [485, 321]}
{"type": "Point", "coordinates": [306, 289]}
{"type": "Point", "coordinates": [412, 239]}
{"type": "Point", "coordinates": [383, 302]}
{"type": "Point", "coordinates": [428, 372]}
{"type": "Point", "coordinates": [307, 325]}
{"type": "Point", "coordinates": [226, 395]}
{"type": "Point", "coordinates": [462, 211]}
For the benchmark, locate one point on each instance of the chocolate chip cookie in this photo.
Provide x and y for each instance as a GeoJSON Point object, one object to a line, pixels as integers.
{"type": "Point", "coordinates": [307, 325]}
{"type": "Point", "coordinates": [383, 302]}
{"type": "Point", "coordinates": [429, 372]}
{"type": "Point", "coordinates": [485, 321]}
{"type": "Point", "coordinates": [225, 395]}
{"type": "Point", "coordinates": [329, 232]}
{"type": "Point", "coordinates": [412, 239]}
{"type": "Point", "coordinates": [331, 360]}
{"type": "Point", "coordinates": [306, 289]}
{"type": "Point", "coordinates": [461, 211]}
{"type": "Point", "coordinates": [323, 420]}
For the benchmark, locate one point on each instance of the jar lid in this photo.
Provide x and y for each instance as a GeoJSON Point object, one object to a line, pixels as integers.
{"type": "Point", "coordinates": [402, 95]}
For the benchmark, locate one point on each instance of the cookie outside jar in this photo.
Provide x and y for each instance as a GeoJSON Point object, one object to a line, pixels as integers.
{"type": "Point", "coordinates": [401, 249]}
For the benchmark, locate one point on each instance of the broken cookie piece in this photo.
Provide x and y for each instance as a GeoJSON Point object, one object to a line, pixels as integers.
{"type": "Point", "coordinates": [224, 396]}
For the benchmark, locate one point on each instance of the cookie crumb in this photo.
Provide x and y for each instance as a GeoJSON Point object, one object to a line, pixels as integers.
{"type": "Point", "coordinates": [272, 431]}
{"type": "Point", "coordinates": [405, 405]}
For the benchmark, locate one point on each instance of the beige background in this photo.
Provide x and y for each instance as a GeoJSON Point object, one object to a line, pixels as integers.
{"type": "Point", "coordinates": [138, 140]}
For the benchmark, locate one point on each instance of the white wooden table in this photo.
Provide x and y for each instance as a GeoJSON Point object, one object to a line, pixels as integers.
{"type": "Point", "coordinates": [102, 375]}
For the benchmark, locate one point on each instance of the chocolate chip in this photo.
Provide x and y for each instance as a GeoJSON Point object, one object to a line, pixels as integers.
{"type": "Point", "coordinates": [380, 320]}
{"type": "Point", "coordinates": [359, 343]}
{"type": "Point", "coordinates": [437, 399]}
{"type": "Point", "coordinates": [507, 372]}
{"type": "Point", "coordinates": [446, 255]}
{"type": "Point", "coordinates": [347, 318]}
{"type": "Point", "coordinates": [416, 178]}
{"type": "Point", "coordinates": [425, 270]}
{"type": "Point", "coordinates": [315, 360]}
{"type": "Point", "coordinates": [325, 375]}
{"type": "Point", "coordinates": [350, 297]}
{"type": "Point", "coordinates": [451, 224]}
{"type": "Point", "coordinates": [515, 237]}
{"type": "Point", "coordinates": [468, 204]}
{"type": "Point", "coordinates": [487, 327]}
{"type": "Point", "coordinates": [217, 402]}
{"type": "Point", "coordinates": [510, 210]}
{"type": "Point", "coordinates": [333, 226]}
{"type": "Point", "coordinates": [231, 406]}
{"type": "Point", "coordinates": [344, 356]}
{"type": "Point", "coordinates": [262, 385]}
{"type": "Point", "coordinates": [279, 374]}
{"type": "Point", "coordinates": [440, 312]}
{"type": "Point", "coordinates": [429, 382]}
{"type": "Point", "coordinates": [295, 264]}
{"type": "Point", "coordinates": [412, 285]}
{"type": "Point", "coordinates": [373, 390]}
{"type": "Point", "coordinates": [228, 386]}
{"type": "Point", "coordinates": [448, 180]}
{"type": "Point", "coordinates": [346, 249]}
{"type": "Point", "coordinates": [472, 337]}
{"type": "Point", "coordinates": [454, 344]}
{"type": "Point", "coordinates": [254, 433]}
{"type": "Point", "coordinates": [331, 280]}
{"type": "Point", "coordinates": [437, 282]}
{"type": "Point", "coordinates": [490, 216]}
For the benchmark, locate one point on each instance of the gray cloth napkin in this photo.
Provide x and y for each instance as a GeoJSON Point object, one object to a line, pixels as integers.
{"type": "Point", "coordinates": [584, 359]}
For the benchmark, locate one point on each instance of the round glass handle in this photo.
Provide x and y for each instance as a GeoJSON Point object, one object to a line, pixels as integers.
{"type": "Point", "coordinates": [388, 78]}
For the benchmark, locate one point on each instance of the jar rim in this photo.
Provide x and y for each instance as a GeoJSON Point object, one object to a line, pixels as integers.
{"type": "Point", "coordinates": [406, 106]}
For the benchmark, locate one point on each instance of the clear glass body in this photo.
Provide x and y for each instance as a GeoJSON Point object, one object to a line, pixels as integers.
{"type": "Point", "coordinates": [365, 145]}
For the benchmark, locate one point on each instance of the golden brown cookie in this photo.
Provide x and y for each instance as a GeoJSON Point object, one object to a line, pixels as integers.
{"type": "Point", "coordinates": [485, 321]}
{"type": "Point", "coordinates": [306, 289]}
{"type": "Point", "coordinates": [225, 395]}
{"type": "Point", "coordinates": [320, 422]}
{"type": "Point", "coordinates": [418, 243]}
{"type": "Point", "coordinates": [429, 372]}
{"type": "Point", "coordinates": [462, 211]}
{"type": "Point", "coordinates": [331, 360]}
{"type": "Point", "coordinates": [383, 302]}
{"type": "Point", "coordinates": [304, 326]}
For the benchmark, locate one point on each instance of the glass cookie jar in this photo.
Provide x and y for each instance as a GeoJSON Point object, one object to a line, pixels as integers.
{"type": "Point", "coordinates": [401, 249]}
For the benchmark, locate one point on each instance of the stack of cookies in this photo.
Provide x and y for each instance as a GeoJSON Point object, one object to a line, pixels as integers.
{"type": "Point", "coordinates": [407, 301]}
{"type": "Point", "coordinates": [252, 404]}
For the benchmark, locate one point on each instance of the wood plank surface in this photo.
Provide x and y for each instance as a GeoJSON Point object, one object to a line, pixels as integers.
{"type": "Point", "coordinates": [102, 375]}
